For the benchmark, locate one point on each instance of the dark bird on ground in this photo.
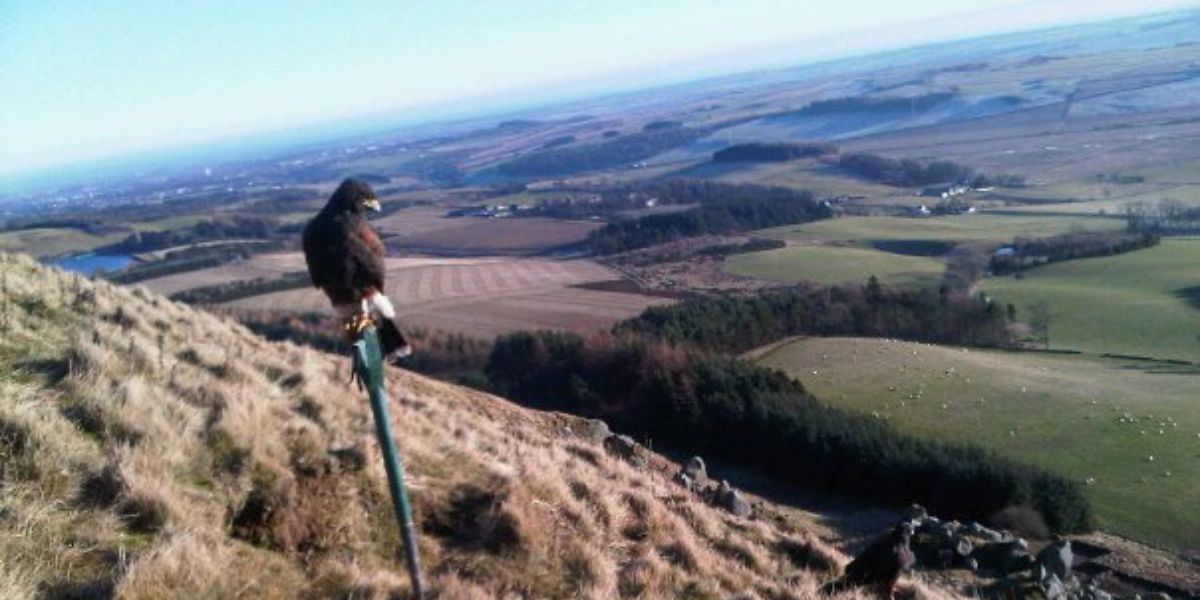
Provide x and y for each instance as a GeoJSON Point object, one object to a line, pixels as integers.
{"type": "Point", "coordinates": [346, 261]}
{"type": "Point", "coordinates": [880, 565]}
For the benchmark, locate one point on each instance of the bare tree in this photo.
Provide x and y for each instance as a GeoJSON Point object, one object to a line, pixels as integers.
{"type": "Point", "coordinates": [1039, 322]}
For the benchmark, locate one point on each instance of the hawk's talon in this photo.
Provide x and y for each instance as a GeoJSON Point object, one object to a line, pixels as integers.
{"type": "Point", "coordinates": [356, 324]}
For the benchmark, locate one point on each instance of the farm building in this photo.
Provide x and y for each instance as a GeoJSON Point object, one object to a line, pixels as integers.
{"type": "Point", "coordinates": [945, 190]}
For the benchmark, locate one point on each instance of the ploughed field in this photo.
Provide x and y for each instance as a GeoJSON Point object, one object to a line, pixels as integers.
{"type": "Point", "coordinates": [427, 229]}
{"type": "Point", "coordinates": [1093, 419]}
{"type": "Point", "coordinates": [478, 296]}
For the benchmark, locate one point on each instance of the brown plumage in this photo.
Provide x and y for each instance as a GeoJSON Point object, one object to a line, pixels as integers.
{"type": "Point", "coordinates": [881, 564]}
{"type": "Point", "coordinates": [345, 260]}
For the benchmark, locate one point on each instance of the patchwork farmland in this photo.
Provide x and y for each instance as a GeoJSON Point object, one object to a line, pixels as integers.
{"type": "Point", "coordinates": [482, 297]}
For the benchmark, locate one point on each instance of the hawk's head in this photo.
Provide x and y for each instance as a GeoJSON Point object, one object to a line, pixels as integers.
{"type": "Point", "coordinates": [354, 196]}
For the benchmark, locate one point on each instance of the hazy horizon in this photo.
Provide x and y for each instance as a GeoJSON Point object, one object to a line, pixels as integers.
{"type": "Point", "coordinates": [167, 101]}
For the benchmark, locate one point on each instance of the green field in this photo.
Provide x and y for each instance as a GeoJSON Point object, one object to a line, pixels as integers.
{"type": "Point", "coordinates": [957, 228]}
{"type": "Point", "coordinates": [836, 264]}
{"type": "Point", "coordinates": [1063, 412]}
{"type": "Point", "coordinates": [54, 241]}
{"type": "Point", "coordinates": [1145, 303]}
{"type": "Point", "coordinates": [841, 250]}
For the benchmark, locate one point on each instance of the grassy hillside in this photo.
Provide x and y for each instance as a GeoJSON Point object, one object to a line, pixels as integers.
{"type": "Point", "coordinates": [152, 450]}
{"type": "Point", "coordinates": [1072, 414]}
{"type": "Point", "coordinates": [1145, 303]}
{"type": "Point", "coordinates": [836, 264]}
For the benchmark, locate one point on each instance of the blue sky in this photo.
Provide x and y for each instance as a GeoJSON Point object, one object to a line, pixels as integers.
{"type": "Point", "coordinates": [88, 79]}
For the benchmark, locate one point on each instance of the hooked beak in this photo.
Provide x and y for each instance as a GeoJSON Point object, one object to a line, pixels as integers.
{"type": "Point", "coordinates": [373, 204]}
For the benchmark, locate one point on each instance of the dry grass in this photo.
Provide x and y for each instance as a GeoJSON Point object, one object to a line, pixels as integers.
{"type": "Point", "coordinates": [152, 450]}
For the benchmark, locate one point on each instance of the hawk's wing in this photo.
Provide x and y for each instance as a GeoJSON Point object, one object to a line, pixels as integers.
{"type": "Point", "coordinates": [344, 257]}
{"type": "Point", "coordinates": [368, 254]}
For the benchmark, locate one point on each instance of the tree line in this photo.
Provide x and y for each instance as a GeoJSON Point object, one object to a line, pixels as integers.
{"type": "Point", "coordinates": [614, 152]}
{"type": "Point", "coordinates": [235, 227]}
{"type": "Point", "coordinates": [906, 172]}
{"type": "Point", "coordinates": [192, 259]}
{"type": "Point", "coordinates": [722, 208]}
{"type": "Point", "coordinates": [773, 151]}
{"type": "Point", "coordinates": [244, 288]}
{"type": "Point", "coordinates": [920, 103]}
{"type": "Point", "coordinates": [1026, 253]}
{"type": "Point", "coordinates": [736, 324]}
{"type": "Point", "coordinates": [1165, 217]}
{"type": "Point", "coordinates": [735, 410]}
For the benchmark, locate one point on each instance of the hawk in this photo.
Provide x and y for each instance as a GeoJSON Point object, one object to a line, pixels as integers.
{"type": "Point", "coordinates": [346, 261]}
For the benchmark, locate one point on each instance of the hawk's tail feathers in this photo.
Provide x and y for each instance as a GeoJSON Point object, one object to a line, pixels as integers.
{"type": "Point", "coordinates": [391, 341]}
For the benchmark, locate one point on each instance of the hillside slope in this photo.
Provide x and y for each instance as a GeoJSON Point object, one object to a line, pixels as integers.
{"type": "Point", "coordinates": [151, 450]}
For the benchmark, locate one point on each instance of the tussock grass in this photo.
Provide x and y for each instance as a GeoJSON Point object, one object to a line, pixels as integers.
{"type": "Point", "coordinates": [151, 450]}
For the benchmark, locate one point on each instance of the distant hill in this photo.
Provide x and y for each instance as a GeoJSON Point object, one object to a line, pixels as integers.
{"type": "Point", "coordinates": [153, 450]}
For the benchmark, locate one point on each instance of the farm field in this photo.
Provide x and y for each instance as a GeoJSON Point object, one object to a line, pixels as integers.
{"type": "Point", "coordinates": [48, 242]}
{"type": "Point", "coordinates": [851, 249]}
{"type": "Point", "coordinates": [267, 266]}
{"type": "Point", "coordinates": [1143, 303]}
{"type": "Point", "coordinates": [955, 228]}
{"type": "Point", "coordinates": [820, 179]}
{"type": "Point", "coordinates": [831, 264]}
{"type": "Point", "coordinates": [488, 296]}
{"type": "Point", "coordinates": [1073, 414]}
{"type": "Point", "coordinates": [427, 229]}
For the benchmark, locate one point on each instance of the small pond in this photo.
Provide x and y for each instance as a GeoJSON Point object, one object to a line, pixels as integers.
{"type": "Point", "coordinates": [89, 262]}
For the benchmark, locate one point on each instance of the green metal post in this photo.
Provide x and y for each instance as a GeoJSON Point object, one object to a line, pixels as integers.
{"type": "Point", "coordinates": [370, 372]}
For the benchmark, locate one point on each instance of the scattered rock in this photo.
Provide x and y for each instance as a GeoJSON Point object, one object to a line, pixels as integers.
{"type": "Point", "coordinates": [731, 500]}
{"type": "Point", "coordinates": [1053, 587]}
{"type": "Point", "coordinates": [623, 447]}
{"type": "Point", "coordinates": [963, 547]}
{"type": "Point", "coordinates": [916, 512]}
{"type": "Point", "coordinates": [594, 430]}
{"type": "Point", "coordinates": [683, 480]}
{"type": "Point", "coordinates": [1003, 558]}
{"type": "Point", "coordinates": [696, 469]}
{"type": "Point", "coordinates": [1057, 558]}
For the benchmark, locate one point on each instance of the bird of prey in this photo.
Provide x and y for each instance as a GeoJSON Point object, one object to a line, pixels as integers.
{"type": "Point", "coordinates": [880, 565]}
{"type": "Point", "coordinates": [346, 261]}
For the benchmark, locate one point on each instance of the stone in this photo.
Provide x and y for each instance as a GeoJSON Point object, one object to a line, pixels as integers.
{"type": "Point", "coordinates": [1053, 587]}
{"type": "Point", "coordinates": [963, 547]}
{"type": "Point", "coordinates": [695, 469]}
{"type": "Point", "coordinates": [594, 430]}
{"type": "Point", "coordinates": [623, 447]}
{"type": "Point", "coordinates": [683, 480]}
{"type": "Point", "coordinates": [732, 501]}
{"type": "Point", "coordinates": [1057, 558]}
{"type": "Point", "coordinates": [1003, 558]}
{"type": "Point", "coordinates": [737, 505]}
{"type": "Point", "coordinates": [723, 488]}
{"type": "Point", "coordinates": [916, 512]}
